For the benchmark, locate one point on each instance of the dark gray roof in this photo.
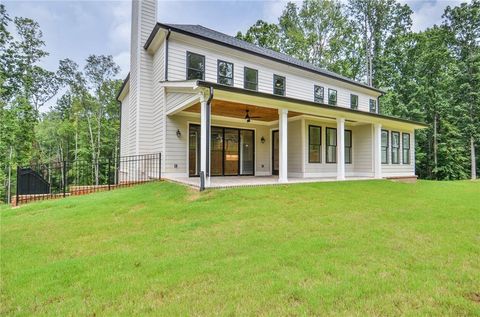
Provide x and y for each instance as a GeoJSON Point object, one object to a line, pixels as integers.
{"type": "Point", "coordinates": [227, 40]}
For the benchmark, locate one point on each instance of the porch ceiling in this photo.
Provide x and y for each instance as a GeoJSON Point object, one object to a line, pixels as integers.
{"type": "Point", "coordinates": [239, 111]}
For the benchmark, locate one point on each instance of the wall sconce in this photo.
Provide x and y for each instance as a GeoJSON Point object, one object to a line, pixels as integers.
{"type": "Point", "coordinates": [179, 134]}
{"type": "Point", "coordinates": [262, 140]}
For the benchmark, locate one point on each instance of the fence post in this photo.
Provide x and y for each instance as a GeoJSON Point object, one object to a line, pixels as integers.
{"type": "Point", "coordinates": [64, 178]}
{"type": "Point", "coordinates": [109, 173]}
{"type": "Point", "coordinates": [16, 191]}
{"type": "Point", "coordinates": [159, 166]}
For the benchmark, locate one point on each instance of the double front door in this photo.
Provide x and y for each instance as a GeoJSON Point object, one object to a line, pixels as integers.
{"type": "Point", "coordinates": [232, 151]}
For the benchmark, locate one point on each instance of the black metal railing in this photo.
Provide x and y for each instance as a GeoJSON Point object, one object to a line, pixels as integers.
{"type": "Point", "coordinates": [79, 177]}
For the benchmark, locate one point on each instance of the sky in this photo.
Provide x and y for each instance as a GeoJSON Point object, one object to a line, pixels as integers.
{"type": "Point", "coordinates": [77, 29]}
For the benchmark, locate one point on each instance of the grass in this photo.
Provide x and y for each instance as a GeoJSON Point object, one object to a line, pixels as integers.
{"type": "Point", "coordinates": [345, 248]}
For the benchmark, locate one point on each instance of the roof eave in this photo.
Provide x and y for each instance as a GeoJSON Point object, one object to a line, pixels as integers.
{"type": "Point", "coordinates": [159, 26]}
{"type": "Point", "coordinates": [124, 84]}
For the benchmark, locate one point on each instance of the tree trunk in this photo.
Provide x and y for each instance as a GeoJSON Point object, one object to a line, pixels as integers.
{"type": "Point", "coordinates": [435, 158]}
{"type": "Point", "coordinates": [473, 158]}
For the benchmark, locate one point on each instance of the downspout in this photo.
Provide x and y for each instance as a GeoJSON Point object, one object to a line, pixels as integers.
{"type": "Point", "coordinates": [208, 121]}
{"type": "Point", "coordinates": [166, 54]}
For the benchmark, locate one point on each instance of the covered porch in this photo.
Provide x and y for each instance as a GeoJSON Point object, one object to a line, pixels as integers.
{"type": "Point", "coordinates": [234, 137]}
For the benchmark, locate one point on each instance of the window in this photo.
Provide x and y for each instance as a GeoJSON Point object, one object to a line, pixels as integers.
{"type": "Point", "coordinates": [332, 97]}
{"type": "Point", "coordinates": [373, 105]}
{"type": "Point", "coordinates": [314, 144]}
{"type": "Point", "coordinates": [395, 147]}
{"type": "Point", "coordinates": [354, 101]}
{"type": "Point", "coordinates": [225, 73]}
{"type": "Point", "coordinates": [195, 66]}
{"type": "Point", "coordinates": [318, 94]}
{"type": "Point", "coordinates": [279, 85]}
{"type": "Point", "coordinates": [384, 147]}
{"type": "Point", "coordinates": [406, 148]}
{"type": "Point", "coordinates": [348, 146]}
{"type": "Point", "coordinates": [331, 145]}
{"type": "Point", "coordinates": [250, 78]}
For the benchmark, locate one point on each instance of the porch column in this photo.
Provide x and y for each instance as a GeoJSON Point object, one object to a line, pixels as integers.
{"type": "Point", "coordinates": [283, 141]}
{"type": "Point", "coordinates": [377, 150]}
{"type": "Point", "coordinates": [205, 140]}
{"type": "Point", "coordinates": [340, 148]}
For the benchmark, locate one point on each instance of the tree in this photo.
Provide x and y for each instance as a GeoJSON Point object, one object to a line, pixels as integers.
{"type": "Point", "coordinates": [262, 34]}
{"type": "Point", "coordinates": [464, 24]}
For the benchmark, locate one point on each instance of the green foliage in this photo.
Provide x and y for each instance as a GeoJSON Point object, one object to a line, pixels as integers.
{"type": "Point", "coordinates": [431, 76]}
{"type": "Point", "coordinates": [383, 249]}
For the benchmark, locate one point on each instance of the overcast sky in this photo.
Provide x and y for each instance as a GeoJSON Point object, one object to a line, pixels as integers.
{"type": "Point", "coordinates": [76, 29]}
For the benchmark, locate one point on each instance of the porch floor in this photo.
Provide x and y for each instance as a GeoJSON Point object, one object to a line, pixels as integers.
{"type": "Point", "coordinates": [241, 181]}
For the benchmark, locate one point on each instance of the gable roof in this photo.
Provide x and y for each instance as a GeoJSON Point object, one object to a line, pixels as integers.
{"type": "Point", "coordinates": [210, 35]}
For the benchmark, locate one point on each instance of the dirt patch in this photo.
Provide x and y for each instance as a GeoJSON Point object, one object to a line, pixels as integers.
{"type": "Point", "coordinates": [474, 297]}
{"type": "Point", "coordinates": [193, 194]}
{"type": "Point", "coordinates": [137, 208]}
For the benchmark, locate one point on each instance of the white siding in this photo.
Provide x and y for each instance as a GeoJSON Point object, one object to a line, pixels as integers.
{"type": "Point", "coordinates": [176, 98]}
{"type": "Point", "coordinates": [299, 83]}
{"type": "Point", "coordinates": [363, 150]}
{"type": "Point", "coordinates": [294, 148]}
{"type": "Point", "coordinates": [125, 149]}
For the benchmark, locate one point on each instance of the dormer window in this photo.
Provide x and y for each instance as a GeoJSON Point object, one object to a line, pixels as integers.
{"type": "Point", "coordinates": [318, 93]}
{"type": "Point", "coordinates": [225, 73]}
{"type": "Point", "coordinates": [373, 105]}
{"type": "Point", "coordinates": [195, 66]}
{"type": "Point", "coordinates": [279, 85]}
{"type": "Point", "coordinates": [354, 101]}
{"type": "Point", "coordinates": [332, 97]}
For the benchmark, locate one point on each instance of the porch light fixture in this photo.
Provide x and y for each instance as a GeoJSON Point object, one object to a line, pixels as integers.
{"type": "Point", "coordinates": [262, 140]}
{"type": "Point", "coordinates": [179, 134]}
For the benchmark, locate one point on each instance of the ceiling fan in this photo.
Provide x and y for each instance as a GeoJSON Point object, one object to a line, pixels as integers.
{"type": "Point", "coordinates": [248, 117]}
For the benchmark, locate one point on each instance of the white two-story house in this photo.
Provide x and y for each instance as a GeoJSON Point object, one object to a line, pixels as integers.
{"type": "Point", "coordinates": [216, 106]}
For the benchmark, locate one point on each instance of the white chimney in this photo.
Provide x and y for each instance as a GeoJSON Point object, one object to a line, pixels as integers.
{"type": "Point", "coordinates": [144, 18]}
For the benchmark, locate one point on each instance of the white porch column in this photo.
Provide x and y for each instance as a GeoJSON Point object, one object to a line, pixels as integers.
{"type": "Point", "coordinates": [283, 141]}
{"type": "Point", "coordinates": [340, 148]}
{"type": "Point", "coordinates": [377, 150]}
{"type": "Point", "coordinates": [204, 140]}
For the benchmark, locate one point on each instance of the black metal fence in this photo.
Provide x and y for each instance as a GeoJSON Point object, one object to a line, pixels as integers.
{"type": "Point", "coordinates": [79, 177]}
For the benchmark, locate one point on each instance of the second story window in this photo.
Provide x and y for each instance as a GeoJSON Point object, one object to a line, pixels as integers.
{"type": "Point", "coordinates": [373, 105]}
{"type": "Point", "coordinates": [354, 101]}
{"type": "Point", "coordinates": [332, 97]}
{"type": "Point", "coordinates": [225, 73]}
{"type": "Point", "coordinates": [250, 78]}
{"type": "Point", "coordinates": [318, 94]}
{"type": "Point", "coordinates": [195, 66]}
{"type": "Point", "coordinates": [279, 85]}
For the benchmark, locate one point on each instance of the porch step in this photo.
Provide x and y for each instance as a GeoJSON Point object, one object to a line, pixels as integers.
{"type": "Point", "coordinates": [404, 179]}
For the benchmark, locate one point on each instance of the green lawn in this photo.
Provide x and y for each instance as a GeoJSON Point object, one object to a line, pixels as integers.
{"type": "Point", "coordinates": [344, 248]}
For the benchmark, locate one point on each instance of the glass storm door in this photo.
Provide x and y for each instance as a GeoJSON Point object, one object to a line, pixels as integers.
{"type": "Point", "coordinates": [231, 158]}
{"type": "Point", "coordinates": [275, 152]}
{"type": "Point", "coordinates": [194, 151]}
{"type": "Point", "coordinates": [247, 147]}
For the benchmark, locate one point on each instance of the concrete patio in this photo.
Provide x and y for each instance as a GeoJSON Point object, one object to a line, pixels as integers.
{"type": "Point", "coordinates": [243, 181]}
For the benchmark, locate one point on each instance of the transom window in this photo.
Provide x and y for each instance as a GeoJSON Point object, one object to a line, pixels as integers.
{"type": "Point", "coordinates": [373, 105]}
{"type": "Point", "coordinates": [384, 147]}
{"type": "Point", "coordinates": [406, 148]}
{"type": "Point", "coordinates": [195, 66]}
{"type": "Point", "coordinates": [332, 97]}
{"type": "Point", "coordinates": [279, 85]}
{"type": "Point", "coordinates": [331, 145]}
{"type": "Point", "coordinates": [250, 80]}
{"type": "Point", "coordinates": [225, 73]}
{"type": "Point", "coordinates": [348, 146]}
{"type": "Point", "coordinates": [395, 147]}
{"type": "Point", "coordinates": [318, 93]}
{"type": "Point", "coordinates": [314, 144]}
{"type": "Point", "coordinates": [353, 101]}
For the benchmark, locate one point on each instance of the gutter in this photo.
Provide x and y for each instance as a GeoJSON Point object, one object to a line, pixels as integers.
{"type": "Point", "coordinates": [202, 83]}
{"type": "Point", "coordinates": [125, 81]}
